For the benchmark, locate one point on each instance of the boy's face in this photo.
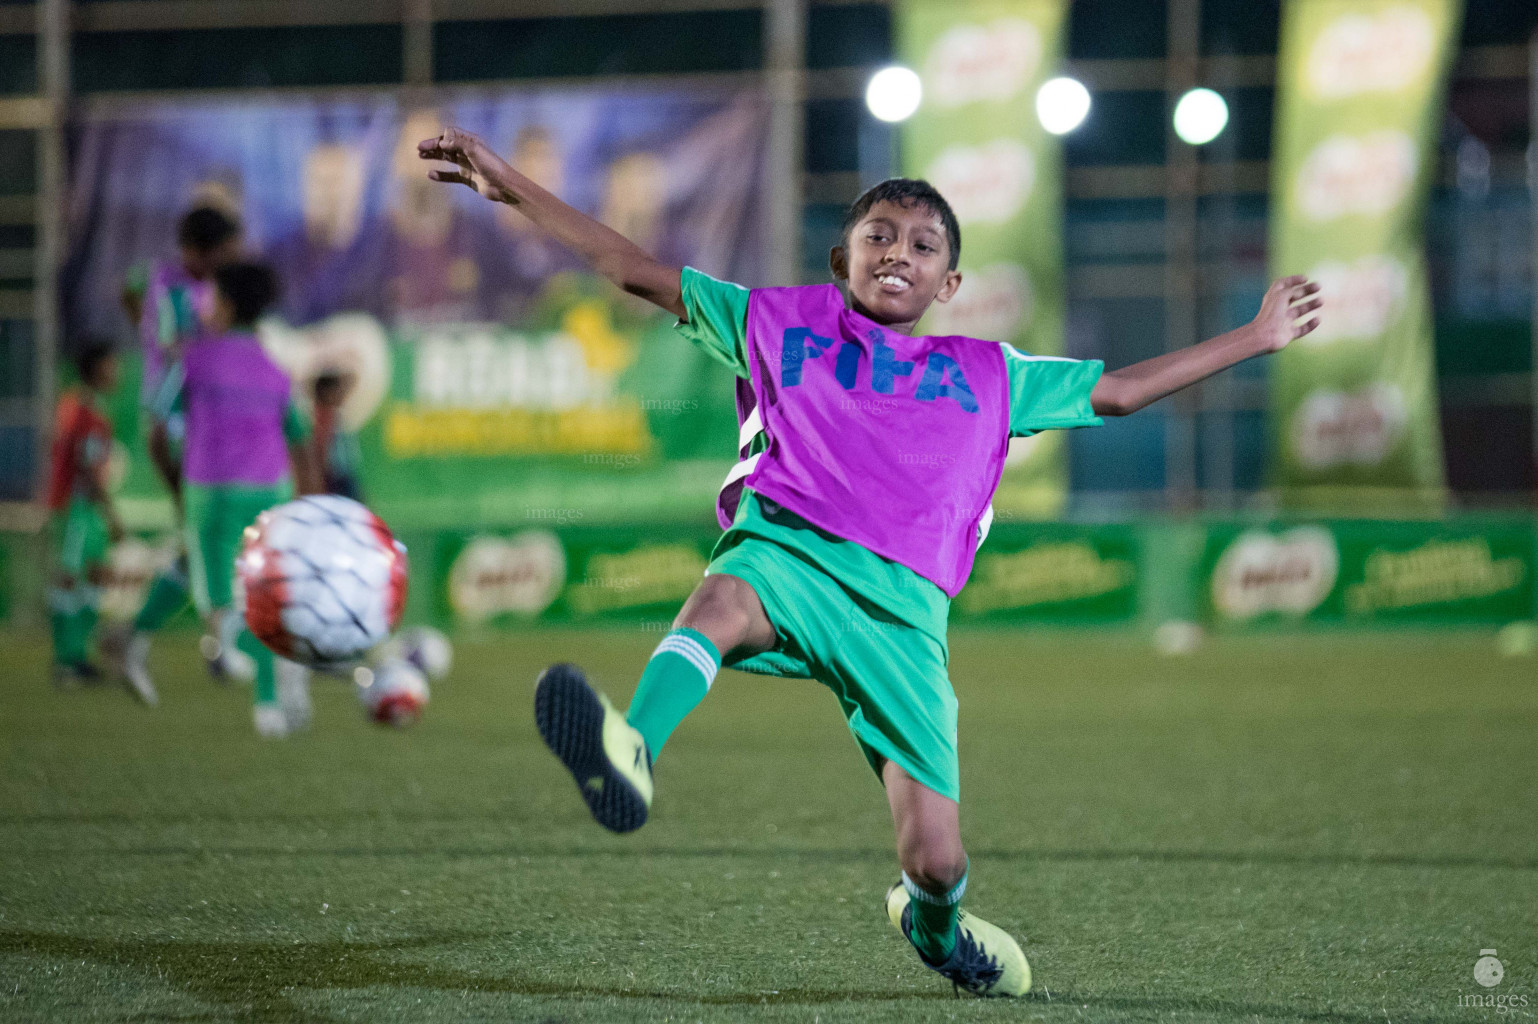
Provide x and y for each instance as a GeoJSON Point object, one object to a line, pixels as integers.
{"type": "Point", "coordinates": [201, 263]}
{"type": "Point", "coordinates": [896, 262]}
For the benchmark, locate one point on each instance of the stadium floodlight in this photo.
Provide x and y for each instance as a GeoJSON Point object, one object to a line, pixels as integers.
{"type": "Point", "coordinates": [1062, 104]}
{"type": "Point", "coordinates": [1200, 116]}
{"type": "Point", "coordinates": [893, 93]}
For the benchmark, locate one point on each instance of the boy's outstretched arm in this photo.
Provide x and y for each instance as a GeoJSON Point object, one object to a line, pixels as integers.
{"type": "Point", "coordinates": [1125, 391]}
{"type": "Point", "coordinates": [607, 251]}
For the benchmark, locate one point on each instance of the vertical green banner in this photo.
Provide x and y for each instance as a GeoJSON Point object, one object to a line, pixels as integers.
{"type": "Point", "coordinates": [977, 139]}
{"type": "Point", "coordinates": [1354, 406]}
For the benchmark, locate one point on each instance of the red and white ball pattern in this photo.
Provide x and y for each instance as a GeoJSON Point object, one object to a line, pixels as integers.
{"type": "Point", "coordinates": [322, 580]}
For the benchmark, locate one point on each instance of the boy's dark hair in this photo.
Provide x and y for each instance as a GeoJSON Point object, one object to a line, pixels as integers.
{"type": "Point", "coordinates": [92, 354]}
{"type": "Point", "coordinates": [248, 287]}
{"type": "Point", "coordinates": [205, 228]}
{"type": "Point", "coordinates": [906, 192]}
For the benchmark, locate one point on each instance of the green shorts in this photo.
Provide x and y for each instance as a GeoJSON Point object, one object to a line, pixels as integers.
{"type": "Point", "coordinates": [890, 677]}
{"type": "Point", "coordinates": [216, 518]}
{"type": "Point", "coordinates": [80, 537]}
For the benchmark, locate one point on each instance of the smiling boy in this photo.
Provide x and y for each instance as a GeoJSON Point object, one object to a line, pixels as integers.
{"type": "Point", "coordinates": [869, 458]}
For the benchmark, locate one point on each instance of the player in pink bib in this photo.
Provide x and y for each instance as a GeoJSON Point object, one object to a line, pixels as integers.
{"type": "Point", "coordinates": [868, 461]}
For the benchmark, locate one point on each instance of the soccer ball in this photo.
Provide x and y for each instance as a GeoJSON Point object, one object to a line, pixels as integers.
{"type": "Point", "coordinates": [393, 692]}
{"type": "Point", "coordinates": [321, 580]}
{"type": "Point", "coordinates": [426, 648]}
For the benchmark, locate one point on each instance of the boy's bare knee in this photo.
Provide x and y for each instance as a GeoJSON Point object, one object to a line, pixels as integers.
{"type": "Point", "coordinates": [722, 607]}
{"type": "Point", "coordinates": [935, 867]}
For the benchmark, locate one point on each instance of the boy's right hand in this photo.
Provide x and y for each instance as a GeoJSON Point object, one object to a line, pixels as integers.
{"type": "Point", "coordinates": [479, 166]}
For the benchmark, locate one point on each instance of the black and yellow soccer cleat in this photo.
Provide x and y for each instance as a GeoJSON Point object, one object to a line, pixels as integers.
{"type": "Point", "coordinates": [986, 962]}
{"type": "Point", "coordinates": [603, 752]}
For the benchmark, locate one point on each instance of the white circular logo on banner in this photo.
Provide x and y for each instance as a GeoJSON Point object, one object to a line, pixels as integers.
{"type": "Point", "coordinates": [985, 184]}
{"type": "Point", "coordinates": [1259, 572]}
{"type": "Point", "coordinates": [350, 345]}
{"type": "Point", "coordinates": [993, 303]}
{"type": "Point", "coordinates": [1360, 53]}
{"type": "Point", "coordinates": [994, 62]}
{"type": "Point", "coordinates": [495, 575]}
{"type": "Point", "coordinates": [1369, 175]}
{"type": "Point", "coordinates": [1334, 428]}
{"type": "Point", "coordinates": [1363, 298]}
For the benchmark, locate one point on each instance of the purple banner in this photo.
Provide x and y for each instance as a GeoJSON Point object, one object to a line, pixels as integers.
{"type": "Point", "coordinates": [330, 189]}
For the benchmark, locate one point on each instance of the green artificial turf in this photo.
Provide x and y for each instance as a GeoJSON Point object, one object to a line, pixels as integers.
{"type": "Point", "coordinates": [1274, 829]}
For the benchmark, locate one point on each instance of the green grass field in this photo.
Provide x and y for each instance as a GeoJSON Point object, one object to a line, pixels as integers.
{"type": "Point", "coordinates": [1275, 829]}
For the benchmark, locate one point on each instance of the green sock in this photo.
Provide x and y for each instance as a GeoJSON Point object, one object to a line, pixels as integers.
{"type": "Point", "coordinates": [934, 919]}
{"type": "Point", "coordinates": [265, 688]}
{"type": "Point", "coordinates": [67, 646]}
{"type": "Point", "coordinates": [72, 617]}
{"type": "Point", "coordinates": [85, 623]}
{"type": "Point", "coordinates": [167, 596]}
{"type": "Point", "coordinates": [676, 679]}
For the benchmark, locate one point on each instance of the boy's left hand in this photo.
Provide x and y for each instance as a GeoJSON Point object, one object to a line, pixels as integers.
{"type": "Point", "coordinates": [474, 159]}
{"type": "Point", "coordinates": [1286, 302]}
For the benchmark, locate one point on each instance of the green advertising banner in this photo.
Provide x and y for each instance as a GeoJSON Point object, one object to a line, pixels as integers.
{"type": "Point", "coordinates": [1054, 572]}
{"type": "Point", "coordinates": [1363, 572]}
{"type": "Point", "coordinates": [591, 405]}
{"type": "Point", "coordinates": [1360, 83]}
{"type": "Point", "coordinates": [1230, 574]}
{"type": "Point", "coordinates": [977, 139]}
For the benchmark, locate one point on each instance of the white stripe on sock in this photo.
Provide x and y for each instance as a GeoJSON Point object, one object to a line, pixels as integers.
{"type": "Point", "coordinates": [691, 649]}
{"type": "Point", "coordinates": [954, 896]}
{"type": "Point", "coordinates": [696, 655]}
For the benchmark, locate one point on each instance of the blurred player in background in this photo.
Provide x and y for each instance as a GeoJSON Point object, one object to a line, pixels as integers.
{"type": "Point", "coordinates": [336, 447]}
{"type": "Point", "coordinates": [171, 303]}
{"type": "Point", "coordinates": [84, 523]}
{"type": "Point", "coordinates": [246, 447]}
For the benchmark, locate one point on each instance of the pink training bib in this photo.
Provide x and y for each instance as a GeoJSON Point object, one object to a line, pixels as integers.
{"type": "Point", "coordinates": [895, 443]}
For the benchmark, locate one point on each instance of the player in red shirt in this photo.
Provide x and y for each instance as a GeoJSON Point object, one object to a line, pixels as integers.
{"type": "Point", "coordinates": [84, 523]}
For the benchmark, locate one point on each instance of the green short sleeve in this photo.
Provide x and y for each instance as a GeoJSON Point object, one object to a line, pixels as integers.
{"type": "Point", "coordinates": [1050, 392]}
{"type": "Point", "coordinates": [716, 318]}
{"type": "Point", "coordinates": [295, 427]}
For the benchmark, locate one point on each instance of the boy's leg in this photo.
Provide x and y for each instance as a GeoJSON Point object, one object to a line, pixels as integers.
{"type": "Point", "coordinates": [722, 617]}
{"type": "Point", "coordinates": [934, 864]}
{"type": "Point", "coordinates": [609, 756]}
{"type": "Point", "coordinates": [65, 599]}
{"type": "Point", "coordinates": [73, 599]}
{"type": "Point", "coordinates": [167, 595]}
{"type": "Point", "coordinates": [169, 591]}
{"type": "Point", "coordinates": [237, 508]}
{"type": "Point", "coordinates": [974, 955]}
{"type": "Point", "coordinates": [213, 530]}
